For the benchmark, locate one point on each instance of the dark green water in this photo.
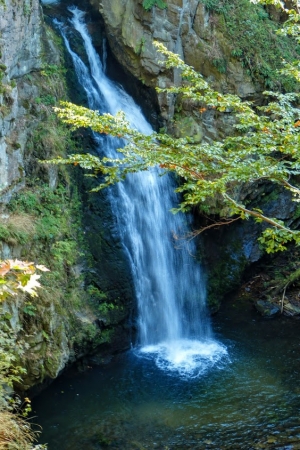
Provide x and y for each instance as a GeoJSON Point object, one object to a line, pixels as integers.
{"type": "Point", "coordinates": [251, 400]}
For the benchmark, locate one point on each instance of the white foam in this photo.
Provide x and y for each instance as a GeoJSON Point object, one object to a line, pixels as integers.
{"type": "Point", "coordinates": [50, 2]}
{"type": "Point", "coordinates": [185, 357]}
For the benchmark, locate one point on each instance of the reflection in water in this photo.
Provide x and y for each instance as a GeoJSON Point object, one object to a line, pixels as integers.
{"type": "Point", "coordinates": [251, 402]}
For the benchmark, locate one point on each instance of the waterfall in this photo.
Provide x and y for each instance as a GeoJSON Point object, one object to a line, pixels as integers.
{"type": "Point", "coordinates": [173, 327]}
{"type": "Point", "coordinates": [104, 54]}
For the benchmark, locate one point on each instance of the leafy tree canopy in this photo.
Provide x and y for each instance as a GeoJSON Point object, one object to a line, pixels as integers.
{"type": "Point", "coordinates": [264, 146]}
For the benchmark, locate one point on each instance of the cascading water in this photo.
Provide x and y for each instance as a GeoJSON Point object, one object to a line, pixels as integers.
{"type": "Point", "coordinates": [173, 326]}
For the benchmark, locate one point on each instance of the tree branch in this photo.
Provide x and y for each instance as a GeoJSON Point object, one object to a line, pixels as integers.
{"type": "Point", "coordinates": [258, 215]}
{"type": "Point", "coordinates": [212, 225]}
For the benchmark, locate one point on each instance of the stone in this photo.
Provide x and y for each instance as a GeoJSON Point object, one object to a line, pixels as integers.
{"type": "Point", "coordinates": [290, 309]}
{"type": "Point", "coordinates": [188, 127]}
{"type": "Point", "coordinates": [266, 308]}
{"type": "Point", "coordinates": [185, 28]}
{"type": "Point", "coordinates": [20, 51]}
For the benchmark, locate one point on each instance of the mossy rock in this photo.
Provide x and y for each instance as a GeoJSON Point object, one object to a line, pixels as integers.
{"type": "Point", "coordinates": [187, 126]}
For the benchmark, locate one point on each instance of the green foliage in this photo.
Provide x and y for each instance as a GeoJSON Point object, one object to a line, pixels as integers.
{"type": "Point", "coordinates": [254, 41]}
{"type": "Point", "coordinates": [11, 234]}
{"type": "Point", "coordinates": [19, 276]}
{"type": "Point", "coordinates": [50, 138]}
{"type": "Point", "coordinates": [148, 4]}
{"type": "Point", "coordinates": [9, 372]}
{"type": "Point", "coordinates": [47, 100]}
{"type": "Point", "coordinates": [65, 253]}
{"type": "Point", "coordinates": [96, 294]}
{"type": "Point", "coordinates": [100, 299]}
{"type": "Point", "coordinates": [275, 239]}
{"type": "Point", "coordinates": [140, 46]}
{"type": "Point", "coordinates": [25, 201]}
{"type": "Point", "coordinates": [52, 69]}
{"type": "Point", "coordinates": [26, 9]}
{"type": "Point", "coordinates": [29, 309]}
{"type": "Point", "coordinates": [220, 64]}
{"type": "Point", "coordinates": [55, 239]}
{"type": "Point", "coordinates": [105, 308]}
{"type": "Point", "coordinates": [215, 5]}
{"type": "Point", "coordinates": [296, 214]}
{"type": "Point", "coordinates": [55, 227]}
{"type": "Point", "coordinates": [266, 146]}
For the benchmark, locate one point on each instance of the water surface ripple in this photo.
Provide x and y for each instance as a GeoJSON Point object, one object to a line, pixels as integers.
{"type": "Point", "coordinates": [249, 402]}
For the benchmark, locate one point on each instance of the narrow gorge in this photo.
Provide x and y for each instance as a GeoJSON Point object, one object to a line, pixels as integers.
{"type": "Point", "coordinates": [144, 334]}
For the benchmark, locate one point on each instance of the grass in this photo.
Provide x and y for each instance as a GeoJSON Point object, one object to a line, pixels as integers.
{"type": "Point", "coordinates": [15, 432]}
{"type": "Point", "coordinates": [17, 228]}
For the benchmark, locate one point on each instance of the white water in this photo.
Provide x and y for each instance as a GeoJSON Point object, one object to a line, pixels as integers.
{"type": "Point", "coordinates": [50, 2]}
{"type": "Point", "coordinates": [173, 325]}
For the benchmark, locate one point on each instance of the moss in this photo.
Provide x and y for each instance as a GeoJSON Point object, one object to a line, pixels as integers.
{"type": "Point", "coordinates": [225, 273]}
{"type": "Point", "coordinates": [64, 309]}
{"type": "Point", "coordinates": [254, 41]}
{"type": "Point", "coordinates": [186, 126]}
{"type": "Point", "coordinates": [52, 364]}
{"type": "Point", "coordinates": [220, 64]}
{"type": "Point", "coordinates": [13, 233]}
{"type": "Point", "coordinates": [46, 222]}
{"type": "Point", "coordinates": [148, 4]}
{"type": "Point", "coordinates": [67, 320]}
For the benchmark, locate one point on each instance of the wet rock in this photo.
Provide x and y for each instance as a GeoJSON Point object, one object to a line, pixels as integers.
{"type": "Point", "coordinates": [266, 308]}
{"type": "Point", "coordinates": [20, 53]}
{"type": "Point", "coordinates": [290, 309]}
{"type": "Point", "coordinates": [184, 28]}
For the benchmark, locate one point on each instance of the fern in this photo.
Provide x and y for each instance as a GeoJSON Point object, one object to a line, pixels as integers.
{"type": "Point", "coordinates": [148, 4]}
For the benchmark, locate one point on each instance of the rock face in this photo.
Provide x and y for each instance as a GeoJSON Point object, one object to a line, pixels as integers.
{"type": "Point", "coordinates": [186, 28]}
{"type": "Point", "coordinates": [71, 319]}
{"type": "Point", "coordinates": [21, 47]}
{"type": "Point", "coordinates": [84, 308]}
{"type": "Point", "coordinates": [230, 250]}
{"type": "Point", "coordinates": [21, 36]}
{"type": "Point", "coordinates": [267, 309]}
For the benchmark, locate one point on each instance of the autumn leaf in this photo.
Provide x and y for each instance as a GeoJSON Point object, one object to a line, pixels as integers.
{"type": "Point", "coordinates": [18, 275]}
{"type": "Point", "coordinates": [31, 285]}
{"type": "Point", "coordinates": [4, 268]}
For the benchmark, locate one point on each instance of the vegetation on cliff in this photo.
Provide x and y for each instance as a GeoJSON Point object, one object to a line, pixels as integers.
{"type": "Point", "coordinates": [148, 4]}
{"type": "Point", "coordinates": [45, 217]}
{"type": "Point", "coordinates": [253, 40]}
{"type": "Point", "coordinates": [264, 147]}
{"type": "Point", "coordinates": [217, 176]}
{"type": "Point", "coordinates": [15, 431]}
{"type": "Point", "coordinates": [42, 223]}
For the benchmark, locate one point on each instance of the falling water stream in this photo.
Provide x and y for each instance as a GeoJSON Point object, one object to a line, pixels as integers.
{"type": "Point", "coordinates": [180, 388]}
{"type": "Point", "coordinates": [172, 321]}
